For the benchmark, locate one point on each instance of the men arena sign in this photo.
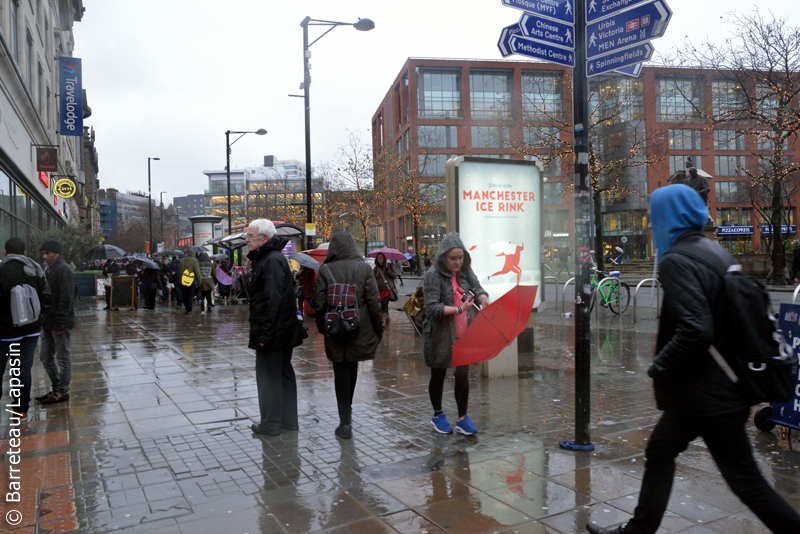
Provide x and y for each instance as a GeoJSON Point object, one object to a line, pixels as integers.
{"type": "Point", "coordinates": [496, 207]}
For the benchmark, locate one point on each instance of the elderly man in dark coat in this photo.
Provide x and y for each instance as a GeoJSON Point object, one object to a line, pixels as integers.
{"type": "Point", "coordinates": [274, 328]}
{"type": "Point", "coordinates": [343, 264]}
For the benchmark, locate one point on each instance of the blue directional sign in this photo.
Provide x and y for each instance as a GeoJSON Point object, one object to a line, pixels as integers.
{"type": "Point", "coordinates": [633, 70]}
{"type": "Point", "coordinates": [600, 9]}
{"type": "Point", "coordinates": [619, 59]}
{"type": "Point", "coordinates": [504, 44]}
{"type": "Point", "coordinates": [561, 10]}
{"type": "Point", "coordinates": [627, 29]}
{"type": "Point", "coordinates": [548, 31]}
{"type": "Point", "coordinates": [526, 46]}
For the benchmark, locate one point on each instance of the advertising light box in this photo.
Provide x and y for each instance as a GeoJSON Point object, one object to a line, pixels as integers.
{"type": "Point", "coordinates": [496, 207]}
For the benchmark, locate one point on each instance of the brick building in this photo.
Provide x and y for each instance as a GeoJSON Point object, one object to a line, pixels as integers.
{"type": "Point", "coordinates": [439, 108]}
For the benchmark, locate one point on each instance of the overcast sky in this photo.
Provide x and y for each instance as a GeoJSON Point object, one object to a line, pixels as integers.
{"type": "Point", "coordinates": [167, 78]}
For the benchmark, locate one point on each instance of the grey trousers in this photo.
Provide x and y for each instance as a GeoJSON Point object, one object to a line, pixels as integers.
{"type": "Point", "coordinates": [277, 390]}
{"type": "Point", "coordinates": [56, 359]}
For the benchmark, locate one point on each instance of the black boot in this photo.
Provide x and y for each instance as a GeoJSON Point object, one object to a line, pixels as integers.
{"type": "Point", "coordinates": [593, 529]}
{"type": "Point", "coordinates": [344, 431]}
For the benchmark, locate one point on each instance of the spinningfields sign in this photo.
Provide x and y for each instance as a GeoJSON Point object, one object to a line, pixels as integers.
{"type": "Point", "coordinates": [71, 92]}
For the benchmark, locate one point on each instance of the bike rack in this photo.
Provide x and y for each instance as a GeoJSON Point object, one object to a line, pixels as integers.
{"type": "Point", "coordinates": [563, 292]}
{"type": "Point", "coordinates": [794, 296]}
{"type": "Point", "coordinates": [597, 304]}
{"type": "Point", "coordinates": [555, 300]}
{"type": "Point", "coordinates": [658, 295]}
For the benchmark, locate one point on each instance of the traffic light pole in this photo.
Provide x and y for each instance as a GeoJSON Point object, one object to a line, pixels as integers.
{"type": "Point", "coordinates": [583, 238]}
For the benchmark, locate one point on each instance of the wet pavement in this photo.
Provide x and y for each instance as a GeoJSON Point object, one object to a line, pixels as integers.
{"type": "Point", "coordinates": [156, 439]}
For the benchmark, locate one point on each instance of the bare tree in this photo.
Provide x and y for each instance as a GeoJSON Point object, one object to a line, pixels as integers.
{"type": "Point", "coordinates": [757, 84]}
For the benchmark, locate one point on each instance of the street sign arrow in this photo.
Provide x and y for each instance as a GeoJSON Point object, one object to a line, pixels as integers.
{"type": "Point", "coordinates": [632, 70]}
{"type": "Point", "coordinates": [627, 29]}
{"type": "Point", "coordinates": [504, 44]}
{"type": "Point", "coordinates": [619, 59]}
{"type": "Point", "coordinates": [526, 46]}
{"type": "Point", "coordinates": [548, 31]}
{"type": "Point", "coordinates": [561, 10]}
{"type": "Point", "coordinates": [600, 9]}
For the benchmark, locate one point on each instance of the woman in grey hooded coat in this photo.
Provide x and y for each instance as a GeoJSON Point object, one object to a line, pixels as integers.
{"type": "Point", "coordinates": [450, 288]}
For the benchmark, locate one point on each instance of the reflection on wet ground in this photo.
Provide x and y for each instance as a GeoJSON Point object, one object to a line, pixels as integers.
{"type": "Point", "coordinates": [156, 439]}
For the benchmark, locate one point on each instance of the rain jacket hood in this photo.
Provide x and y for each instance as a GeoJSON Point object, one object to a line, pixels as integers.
{"type": "Point", "coordinates": [449, 242]}
{"type": "Point", "coordinates": [675, 210]}
{"type": "Point", "coordinates": [191, 253]}
{"type": "Point", "coordinates": [342, 247]}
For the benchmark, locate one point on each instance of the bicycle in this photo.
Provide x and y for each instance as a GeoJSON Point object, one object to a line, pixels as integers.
{"type": "Point", "coordinates": [616, 296]}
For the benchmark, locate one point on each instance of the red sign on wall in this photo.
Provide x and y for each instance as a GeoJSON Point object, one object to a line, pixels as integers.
{"type": "Point", "coordinates": [46, 159]}
{"type": "Point", "coordinates": [44, 180]}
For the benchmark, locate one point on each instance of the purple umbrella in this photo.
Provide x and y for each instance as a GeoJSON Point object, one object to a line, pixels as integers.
{"type": "Point", "coordinates": [390, 253]}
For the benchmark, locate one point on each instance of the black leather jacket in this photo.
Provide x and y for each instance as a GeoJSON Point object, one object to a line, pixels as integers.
{"type": "Point", "coordinates": [61, 314]}
{"type": "Point", "coordinates": [272, 299]}
{"type": "Point", "coordinates": [686, 378]}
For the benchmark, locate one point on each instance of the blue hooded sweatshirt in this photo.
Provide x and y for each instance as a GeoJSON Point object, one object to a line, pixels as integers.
{"type": "Point", "coordinates": [674, 210]}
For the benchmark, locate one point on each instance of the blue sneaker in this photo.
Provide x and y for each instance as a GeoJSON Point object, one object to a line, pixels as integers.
{"type": "Point", "coordinates": [440, 424]}
{"type": "Point", "coordinates": [466, 427]}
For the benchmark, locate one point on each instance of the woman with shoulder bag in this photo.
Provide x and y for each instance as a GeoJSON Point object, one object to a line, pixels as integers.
{"type": "Point", "coordinates": [450, 288]}
{"type": "Point", "coordinates": [343, 264]}
{"type": "Point", "coordinates": [385, 275]}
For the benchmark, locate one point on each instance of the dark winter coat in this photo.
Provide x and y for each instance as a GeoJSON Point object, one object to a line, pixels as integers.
{"type": "Point", "coordinates": [191, 265]}
{"type": "Point", "coordinates": [208, 273]}
{"type": "Point", "coordinates": [61, 314]}
{"type": "Point", "coordinates": [307, 279]}
{"type": "Point", "coordinates": [273, 304]}
{"type": "Point", "coordinates": [16, 270]}
{"type": "Point", "coordinates": [345, 263]}
{"type": "Point", "coordinates": [685, 377]}
{"type": "Point", "coordinates": [385, 276]}
{"type": "Point", "coordinates": [438, 330]}
{"type": "Point", "coordinates": [111, 268]}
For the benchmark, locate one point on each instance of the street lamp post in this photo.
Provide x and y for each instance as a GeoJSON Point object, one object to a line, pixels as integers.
{"type": "Point", "coordinates": [162, 216]}
{"type": "Point", "coordinates": [150, 202]}
{"type": "Point", "coordinates": [228, 144]}
{"type": "Point", "coordinates": [363, 25]}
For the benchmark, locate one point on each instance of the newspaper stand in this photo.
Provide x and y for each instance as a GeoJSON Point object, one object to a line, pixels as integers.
{"type": "Point", "coordinates": [785, 414]}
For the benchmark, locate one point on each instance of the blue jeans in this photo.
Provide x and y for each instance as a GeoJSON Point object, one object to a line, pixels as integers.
{"type": "Point", "coordinates": [56, 359]}
{"type": "Point", "coordinates": [26, 347]}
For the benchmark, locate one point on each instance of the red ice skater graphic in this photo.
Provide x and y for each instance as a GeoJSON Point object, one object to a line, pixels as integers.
{"type": "Point", "coordinates": [511, 260]}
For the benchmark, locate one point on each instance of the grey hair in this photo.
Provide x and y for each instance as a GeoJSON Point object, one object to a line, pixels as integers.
{"type": "Point", "coordinates": [264, 227]}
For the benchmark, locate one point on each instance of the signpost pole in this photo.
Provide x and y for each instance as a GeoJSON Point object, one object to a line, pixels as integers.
{"type": "Point", "coordinates": [583, 237]}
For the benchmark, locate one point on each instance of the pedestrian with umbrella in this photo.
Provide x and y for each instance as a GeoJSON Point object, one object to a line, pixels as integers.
{"type": "Point", "coordinates": [189, 278]}
{"type": "Point", "coordinates": [208, 279]}
{"type": "Point", "coordinates": [385, 275]}
{"type": "Point", "coordinates": [450, 289]}
{"type": "Point", "coordinates": [104, 252]}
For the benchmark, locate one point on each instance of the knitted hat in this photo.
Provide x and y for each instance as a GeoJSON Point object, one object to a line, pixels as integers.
{"type": "Point", "coordinates": [51, 246]}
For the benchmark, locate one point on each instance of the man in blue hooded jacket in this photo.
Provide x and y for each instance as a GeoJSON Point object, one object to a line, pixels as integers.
{"type": "Point", "coordinates": [692, 391]}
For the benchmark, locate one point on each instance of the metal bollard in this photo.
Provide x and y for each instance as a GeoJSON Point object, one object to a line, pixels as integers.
{"type": "Point", "coordinates": [597, 293]}
{"type": "Point", "coordinates": [658, 295]}
{"type": "Point", "coordinates": [563, 292]}
{"type": "Point", "coordinates": [555, 300]}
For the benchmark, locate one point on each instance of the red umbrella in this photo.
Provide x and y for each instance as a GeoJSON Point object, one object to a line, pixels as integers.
{"type": "Point", "coordinates": [390, 253]}
{"type": "Point", "coordinates": [495, 327]}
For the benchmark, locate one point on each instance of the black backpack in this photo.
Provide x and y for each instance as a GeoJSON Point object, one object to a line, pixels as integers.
{"type": "Point", "coordinates": [751, 350]}
{"type": "Point", "coordinates": [342, 321]}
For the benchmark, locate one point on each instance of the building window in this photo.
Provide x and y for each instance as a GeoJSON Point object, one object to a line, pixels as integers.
{"type": "Point", "coordinates": [490, 136]}
{"type": "Point", "coordinates": [684, 139]}
{"type": "Point", "coordinates": [729, 165]}
{"type": "Point", "coordinates": [678, 163]}
{"type": "Point", "coordinates": [407, 140]}
{"type": "Point", "coordinates": [47, 110]}
{"type": "Point", "coordinates": [542, 137]}
{"type": "Point", "coordinates": [678, 99]}
{"type": "Point", "coordinates": [616, 99]}
{"type": "Point", "coordinates": [727, 98]}
{"type": "Point", "coordinates": [767, 101]}
{"type": "Point", "coordinates": [40, 88]}
{"type": "Point", "coordinates": [15, 30]}
{"type": "Point", "coordinates": [437, 136]}
{"type": "Point", "coordinates": [490, 95]}
{"type": "Point", "coordinates": [552, 193]}
{"type": "Point", "coordinates": [767, 144]}
{"type": "Point", "coordinates": [542, 95]}
{"type": "Point", "coordinates": [433, 165]}
{"type": "Point", "coordinates": [551, 168]}
{"type": "Point", "coordinates": [730, 191]}
{"type": "Point", "coordinates": [733, 216]}
{"type": "Point", "coordinates": [728, 140]}
{"type": "Point", "coordinates": [29, 62]}
{"type": "Point", "coordinates": [432, 192]}
{"type": "Point", "coordinates": [439, 93]}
